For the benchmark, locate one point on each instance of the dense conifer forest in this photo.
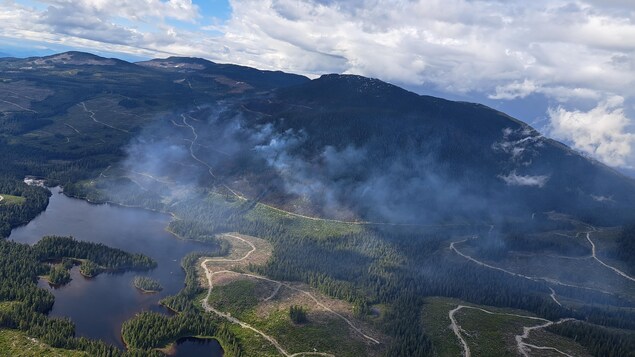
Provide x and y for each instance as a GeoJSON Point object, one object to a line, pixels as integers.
{"type": "Point", "coordinates": [19, 269]}
{"type": "Point", "coordinates": [146, 284]}
{"type": "Point", "coordinates": [371, 262]}
{"type": "Point", "coordinates": [13, 215]}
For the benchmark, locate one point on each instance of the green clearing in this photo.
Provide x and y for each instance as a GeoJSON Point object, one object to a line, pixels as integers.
{"type": "Point", "coordinates": [486, 334]}
{"type": "Point", "coordinates": [315, 228]}
{"type": "Point", "coordinates": [6, 306]}
{"type": "Point", "coordinates": [17, 344]}
{"type": "Point", "coordinates": [322, 332]}
{"type": "Point", "coordinates": [253, 344]}
{"type": "Point", "coordinates": [437, 325]}
{"type": "Point", "coordinates": [11, 200]}
{"type": "Point", "coordinates": [492, 335]}
{"type": "Point", "coordinates": [237, 297]}
{"type": "Point", "coordinates": [546, 338]}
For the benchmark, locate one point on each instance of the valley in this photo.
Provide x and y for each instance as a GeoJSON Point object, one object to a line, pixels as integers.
{"type": "Point", "coordinates": [287, 217]}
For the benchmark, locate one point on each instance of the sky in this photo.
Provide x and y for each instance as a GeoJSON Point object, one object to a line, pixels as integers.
{"type": "Point", "coordinates": [566, 67]}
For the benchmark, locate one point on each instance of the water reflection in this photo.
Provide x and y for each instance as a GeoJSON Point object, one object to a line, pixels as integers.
{"type": "Point", "coordinates": [195, 347]}
{"type": "Point", "coordinates": [99, 305]}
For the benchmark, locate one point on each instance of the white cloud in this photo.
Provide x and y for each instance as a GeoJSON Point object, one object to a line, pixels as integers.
{"type": "Point", "coordinates": [601, 132]}
{"type": "Point", "coordinates": [507, 49]}
{"type": "Point", "coordinates": [513, 179]}
{"type": "Point", "coordinates": [515, 90]}
{"type": "Point", "coordinates": [136, 10]}
{"type": "Point", "coordinates": [517, 48]}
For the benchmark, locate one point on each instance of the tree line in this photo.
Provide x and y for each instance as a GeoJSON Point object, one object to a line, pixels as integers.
{"type": "Point", "coordinates": [20, 267]}
{"type": "Point", "coordinates": [600, 341]}
{"type": "Point", "coordinates": [11, 216]}
{"type": "Point", "coordinates": [56, 247]}
{"type": "Point", "coordinates": [152, 330]}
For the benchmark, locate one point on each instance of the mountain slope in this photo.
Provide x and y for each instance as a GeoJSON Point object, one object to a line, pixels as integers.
{"type": "Point", "coordinates": [454, 158]}
{"type": "Point", "coordinates": [337, 146]}
{"type": "Point", "coordinates": [365, 191]}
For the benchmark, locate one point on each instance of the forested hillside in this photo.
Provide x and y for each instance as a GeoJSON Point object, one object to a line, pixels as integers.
{"type": "Point", "coordinates": [365, 192]}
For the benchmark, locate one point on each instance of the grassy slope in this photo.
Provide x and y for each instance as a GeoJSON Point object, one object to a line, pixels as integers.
{"type": "Point", "coordinates": [12, 200]}
{"type": "Point", "coordinates": [323, 332]}
{"type": "Point", "coordinates": [302, 226]}
{"type": "Point", "coordinates": [17, 344]}
{"type": "Point", "coordinates": [489, 335]}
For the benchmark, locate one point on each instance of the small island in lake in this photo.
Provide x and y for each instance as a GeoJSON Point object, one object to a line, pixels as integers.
{"type": "Point", "coordinates": [59, 275]}
{"type": "Point", "coordinates": [59, 272]}
{"type": "Point", "coordinates": [90, 269]}
{"type": "Point", "coordinates": [147, 285]}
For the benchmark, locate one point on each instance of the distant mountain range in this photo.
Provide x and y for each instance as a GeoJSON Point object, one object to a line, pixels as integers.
{"type": "Point", "coordinates": [337, 146]}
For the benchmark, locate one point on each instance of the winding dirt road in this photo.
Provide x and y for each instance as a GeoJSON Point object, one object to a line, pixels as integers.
{"type": "Point", "coordinates": [594, 255]}
{"type": "Point", "coordinates": [207, 307]}
{"type": "Point", "coordinates": [103, 173]}
{"type": "Point", "coordinates": [553, 296]}
{"type": "Point", "coordinates": [72, 127]}
{"type": "Point", "coordinates": [532, 278]}
{"type": "Point", "coordinates": [524, 347]}
{"type": "Point", "coordinates": [151, 177]}
{"type": "Point", "coordinates": [274, 293]}
{"type": "Point", "coordinates": [367, 223]}
{"type": "Point", "coordinates": [18, 105]}
{"type": "Point", "coordinates": [318, 303]}
{"type": "Point", "coordinates": [521, 345]}
{"type": "Point", "coordinates": [92, 116]}
{"type": "Point", "coordinates": [193, 143]}
{"type": "Point", "coordinates": [457, 330]}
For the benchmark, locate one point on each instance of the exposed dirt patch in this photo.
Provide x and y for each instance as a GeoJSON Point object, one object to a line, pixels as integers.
{"type": "Point", "coordinates": [236, 86]}
{"type": "Point", "coordinates": [274, 298]}
{"type": "Point", "coordinates": [244, 250]}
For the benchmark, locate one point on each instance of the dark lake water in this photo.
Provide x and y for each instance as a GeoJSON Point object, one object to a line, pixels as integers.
{"type": "Point", "coordinates": [189, 347]}
{"type": "Point", "coordinates": [99, 305]}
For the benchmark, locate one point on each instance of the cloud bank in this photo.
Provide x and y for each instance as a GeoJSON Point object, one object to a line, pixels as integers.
{"type": "Point", "coordinates": [600, 132]}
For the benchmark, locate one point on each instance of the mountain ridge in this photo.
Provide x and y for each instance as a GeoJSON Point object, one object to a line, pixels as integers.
{"type": "Point", "coordinates": [366, 192]}
{"type": "Point", "coordinates": [477, 151]}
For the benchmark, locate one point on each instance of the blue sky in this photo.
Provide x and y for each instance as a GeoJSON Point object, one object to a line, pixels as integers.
{"type": "Point", "coordinates": [214, 8]}
{"type": "Point", "coordinates": [567, 67]}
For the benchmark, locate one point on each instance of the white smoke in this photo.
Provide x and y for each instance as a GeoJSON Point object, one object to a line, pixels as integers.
{"type": "Point", "coordinates": [513, 179]}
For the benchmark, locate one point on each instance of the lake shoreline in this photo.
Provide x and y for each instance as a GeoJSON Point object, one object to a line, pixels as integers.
{"type": "Point", "coordinates": [136, 230]}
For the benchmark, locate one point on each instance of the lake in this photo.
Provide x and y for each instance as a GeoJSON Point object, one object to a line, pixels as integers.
{"type": "Point", "coordinates": [189, 347]}
{"type": "Point", "coordinates": [98, 306]}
